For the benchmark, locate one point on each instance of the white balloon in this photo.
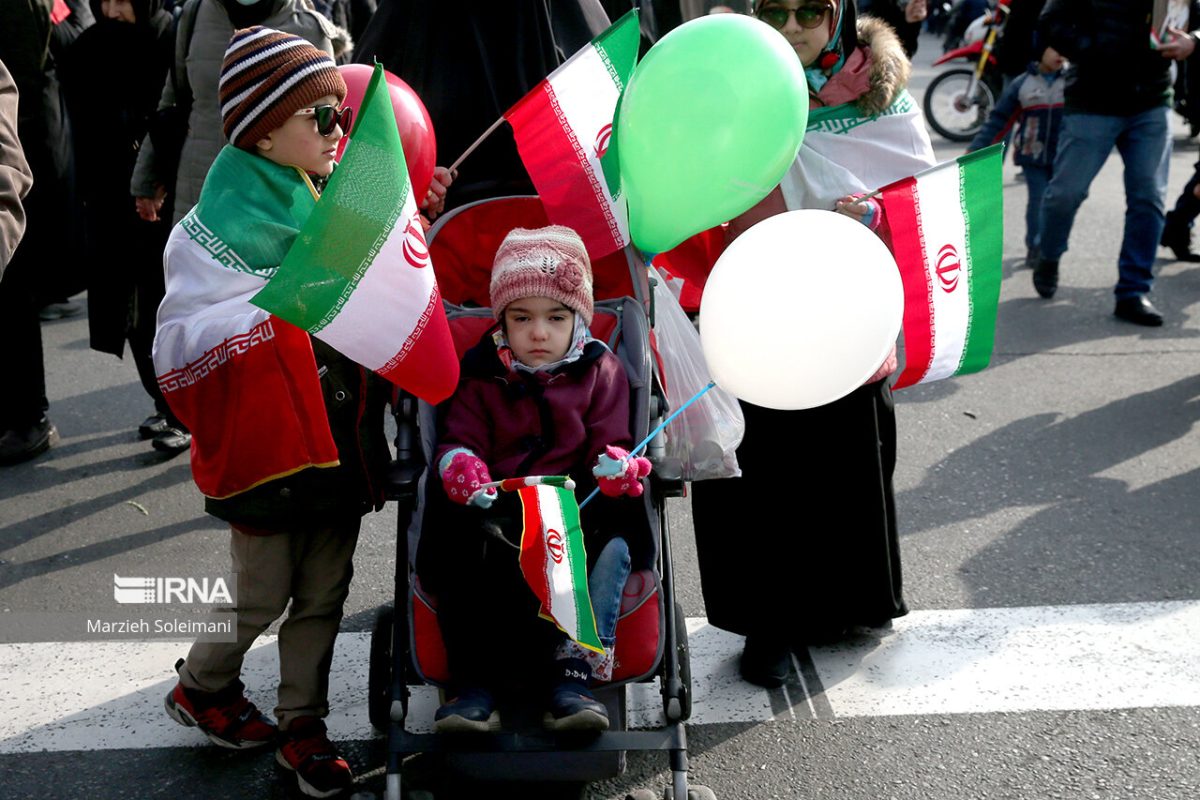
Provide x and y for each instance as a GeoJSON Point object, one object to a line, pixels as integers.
{"type": "Point", "coordinates": [800, 310]}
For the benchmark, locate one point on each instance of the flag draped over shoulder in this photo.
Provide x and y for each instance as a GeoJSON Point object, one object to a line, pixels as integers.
{"type": "Point", "coordinates": [564, 127]}
{"type": "Point", "coordinates": [358, 276]}
{"type": "Point", "coordinates": [235, 375]}
{"type": "Point", "coordinates": [845, 152]}
{"type": "Point", "coordinates": [554, 563]}
{"type": "Point", "coordinates": [947, 231]}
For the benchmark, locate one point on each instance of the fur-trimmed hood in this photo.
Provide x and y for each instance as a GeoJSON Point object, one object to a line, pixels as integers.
{"type": "Point", "coordinates": [890, 68]}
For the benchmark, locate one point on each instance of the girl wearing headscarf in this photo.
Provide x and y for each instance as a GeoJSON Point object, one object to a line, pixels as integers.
{"type": "Point", "coordinates": [827, 566]}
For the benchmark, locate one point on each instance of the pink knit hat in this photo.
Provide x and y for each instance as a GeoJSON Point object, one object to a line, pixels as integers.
{"type": "Point", "coordinates": [545, 262]}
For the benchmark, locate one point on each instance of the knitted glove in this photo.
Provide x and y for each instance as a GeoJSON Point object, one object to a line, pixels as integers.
{"type": "Point", "coordinates": [619, 473]}
{"type": "Point", "coordinates": [462, 474]}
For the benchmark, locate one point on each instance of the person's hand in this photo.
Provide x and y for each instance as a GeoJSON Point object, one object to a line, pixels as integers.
{"type": "Point", "coordinates": [435, 199]}
{"type": "Point", "coordinates": [462, 478]}
{"type": "Point", "coordinates": [916, 10]}
{"type": "Point", "coordinates": [148, 207]}
{"type": "Point", "coordinates": [888, 366]}
{"type": "Point", "coordinates": [619, 473]}
{"type": "Point", "coordinates": [1178, 46]}
{"type": "Point", "coordinates": [863, 210]}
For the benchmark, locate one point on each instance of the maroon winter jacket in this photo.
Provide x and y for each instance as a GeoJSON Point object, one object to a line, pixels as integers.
{"type": "Point", "coordinates": [541, 423]}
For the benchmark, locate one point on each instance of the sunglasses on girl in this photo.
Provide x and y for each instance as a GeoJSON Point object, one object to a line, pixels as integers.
{"type": "Point", "coordinates": [329, 117]}
{"type": "Point", "coordinates": [809, 15]}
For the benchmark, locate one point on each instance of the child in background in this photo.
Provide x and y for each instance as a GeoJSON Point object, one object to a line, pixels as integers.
{"type": "Point", "coordinates": [1034, 103]}
{"type": "Point", "coordinates": [538, 396]}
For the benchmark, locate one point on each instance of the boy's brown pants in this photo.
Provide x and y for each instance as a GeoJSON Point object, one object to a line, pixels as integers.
{"type": "Point", "coordinates": [310, 568]}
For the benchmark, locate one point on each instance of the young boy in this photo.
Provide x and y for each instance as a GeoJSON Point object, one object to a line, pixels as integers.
{"type": "Point", "coordinates": [288, 441]}
{"type": "Point", "coordinates": [1034, 102]}
{"type": "Point", "coordinates": [538, 396]}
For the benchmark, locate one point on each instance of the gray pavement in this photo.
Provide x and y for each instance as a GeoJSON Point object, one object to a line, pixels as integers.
{"type": "Point", "coordinates": [1067, 473]}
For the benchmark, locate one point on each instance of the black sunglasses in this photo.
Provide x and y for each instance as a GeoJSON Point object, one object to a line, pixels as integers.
{"type": "Point", "coordinates": [329, 117]}
{"type": "Point", "coordinates": [807, 16]}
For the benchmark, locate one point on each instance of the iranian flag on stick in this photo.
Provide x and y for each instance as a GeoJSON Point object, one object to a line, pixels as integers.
{"type": "Point", "coordinates": [947, 229]}
{"type": "Point", "coordinates": [563, 128]}
{"type": "Point", "coordinates": [358, 276]}
{"type": "Point", "coordinates": [554, 563]}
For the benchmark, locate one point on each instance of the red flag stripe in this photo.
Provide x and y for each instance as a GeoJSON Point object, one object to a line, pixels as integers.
{"type": "Point", "coordinates": [555, 160]}
{"type": "Point", "coordinates": [908, 247]}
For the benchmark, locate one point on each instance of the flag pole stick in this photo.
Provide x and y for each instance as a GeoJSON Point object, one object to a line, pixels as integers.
{"type": "Point", "coordinates": [653, 433]}
{"type": "Point", "coordinates": [476, 144]}
{"type": "Point", "coordinates": [934, 168]}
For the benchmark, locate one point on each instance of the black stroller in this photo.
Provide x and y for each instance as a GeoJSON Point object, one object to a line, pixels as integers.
{"type": "Point", "coordinates": [407, 647]}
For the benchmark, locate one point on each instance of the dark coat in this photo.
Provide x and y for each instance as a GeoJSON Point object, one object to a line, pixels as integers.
{"type": "Point", "coordinates": [1113, 69]}
{"type": "Point", "coordinates": [112, 76]}
{"type": "Point", "coordinates": [469, 62]}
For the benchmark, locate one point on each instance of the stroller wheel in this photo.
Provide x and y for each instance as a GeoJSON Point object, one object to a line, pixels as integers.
{"type": "Point", "coordinates": [695, 792]}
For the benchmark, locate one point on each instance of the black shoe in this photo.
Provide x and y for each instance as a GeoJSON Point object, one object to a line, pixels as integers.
{"type": "Point", "coordinates": [472, 711]}
{"type": "Point", "coordinates": [152, 426]}
{"type": "Point", "coordinates": [1138, 310]}
{"type": "Point", "coordinates": [765, 661]}
{"type": "Point", "coordinates": [22, 444]}
{"type": "Point", "coordinates": [172, 440]}
{"type": "Point", "coordinates": [1032, 256]}
{"type": "Point", "coordinates": [1045, 277]}
{"type": "Point", "coordinates": [1177, 238]}
{"type": "Point", "coordinates": [572, 705]}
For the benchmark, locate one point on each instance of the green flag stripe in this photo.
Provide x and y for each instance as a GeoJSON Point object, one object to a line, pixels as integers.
{"type": "Point", "coordinates": [983, 209]}
{"type": "Point", "coordinates": [618, 47]}
{"type": "Point", "coordinates": [342, 236]}
{"type": "Point", "coordinates": [586, 619]}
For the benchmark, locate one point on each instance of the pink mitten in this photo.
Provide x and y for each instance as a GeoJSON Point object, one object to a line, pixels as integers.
{"type": "Point", "coordinates": [619, 473]}
{"type": "Point", "coordinates": [463, 473]}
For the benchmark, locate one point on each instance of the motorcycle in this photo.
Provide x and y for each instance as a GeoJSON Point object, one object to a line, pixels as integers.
{"type": "Point", "coordinates": [959, 100]}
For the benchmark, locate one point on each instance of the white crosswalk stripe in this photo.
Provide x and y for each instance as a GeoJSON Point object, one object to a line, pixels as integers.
{"type": "Point", "coordinates": [75, 696]}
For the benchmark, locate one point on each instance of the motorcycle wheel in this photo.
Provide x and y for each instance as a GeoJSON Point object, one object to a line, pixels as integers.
{"type": "Point", "coordinates": [948, 109]}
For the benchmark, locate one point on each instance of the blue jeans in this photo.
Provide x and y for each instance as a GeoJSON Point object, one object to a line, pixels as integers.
{"type": "Point", "coordinates": [1037, 178]}
{"type": "Point", "coordinates": [1084, 145]}
{"type": "Point", "coordinates": [606, 584]}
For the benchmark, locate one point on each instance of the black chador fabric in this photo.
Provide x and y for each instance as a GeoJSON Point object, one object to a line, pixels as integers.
{"type": "Point", "coordinates": [805, 542]}
{"type": "Point", "coordinates": [469, 62]}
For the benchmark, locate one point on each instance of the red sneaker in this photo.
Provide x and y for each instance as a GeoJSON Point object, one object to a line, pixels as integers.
{"type": "Point", "coordinates": [307, 751]}
{"type": "Point", "coordinates": [225, 717]}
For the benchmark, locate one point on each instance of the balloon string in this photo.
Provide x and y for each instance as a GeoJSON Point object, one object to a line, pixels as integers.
{"type": "Point", "coordinates": [476, 144]}
{"type": "Point", "coordinates": [654, 433]}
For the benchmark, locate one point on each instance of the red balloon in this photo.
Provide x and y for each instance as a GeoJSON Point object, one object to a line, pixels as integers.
{"type": "Point", "coordinates": [412, 120]}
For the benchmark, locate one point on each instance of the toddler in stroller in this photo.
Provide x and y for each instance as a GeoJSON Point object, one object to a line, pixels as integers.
{"type": "Point", "coordinates": [538, 395]}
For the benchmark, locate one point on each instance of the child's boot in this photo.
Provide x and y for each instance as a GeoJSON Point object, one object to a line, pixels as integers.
{"type": "Point", "coordinates": [470, 711]}
{"type": "Point", "coordinates": [572, 705]}
{"type": "Point", "coordinates": [226, 717]}
{"type": "Point", "coordinates": [304, 748]}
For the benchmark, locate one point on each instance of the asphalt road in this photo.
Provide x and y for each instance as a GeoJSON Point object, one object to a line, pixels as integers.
{"type": "Point", "coordinates": [1067, 473]}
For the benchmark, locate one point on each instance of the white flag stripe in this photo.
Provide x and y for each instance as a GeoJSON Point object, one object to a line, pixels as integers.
{"type": "Point", "coordinates": [562, 599]}
{"type": "Point", "coordinates": [193, 267]}
{"type": "Point", "coordinates": [938, 199]}
{"type": "Point", "coordinates": [385, 307]}
{"type": "Point", "coordinates": [587, 97]}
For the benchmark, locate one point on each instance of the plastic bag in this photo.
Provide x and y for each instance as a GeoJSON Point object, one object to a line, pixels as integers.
{"type": "Point", "coordinates": [705, 436]}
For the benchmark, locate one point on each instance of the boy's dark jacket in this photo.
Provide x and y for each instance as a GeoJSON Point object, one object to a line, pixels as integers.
{"type": "Point", "coordinates": [355, 402]}
{"type": "Point", "coordinates": [1114, 71]}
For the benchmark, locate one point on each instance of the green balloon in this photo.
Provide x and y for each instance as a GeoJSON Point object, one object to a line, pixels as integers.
{"type": "Point", "coordinates": [708, 125]}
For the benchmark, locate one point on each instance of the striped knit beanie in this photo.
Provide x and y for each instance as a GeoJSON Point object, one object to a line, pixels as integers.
{"type": "Point", "coordinates": [545, 262]}
{"type": "Point", "coordinates": [268, 76]}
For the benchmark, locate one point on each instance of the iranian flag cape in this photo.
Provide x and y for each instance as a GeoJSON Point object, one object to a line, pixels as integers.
{"type": "Point", "coordinates": [564, 127]}
{"type": "Point", "coordinates": [358, 276]}
{"type": "Point", "coordinates": [947, 234]}
{"type": "Point", "coordinates": [846, 153]}
{"type": "Point", "coordinates": [554, 563]}
{"type": "Point", "coordinates": [235, 375]}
